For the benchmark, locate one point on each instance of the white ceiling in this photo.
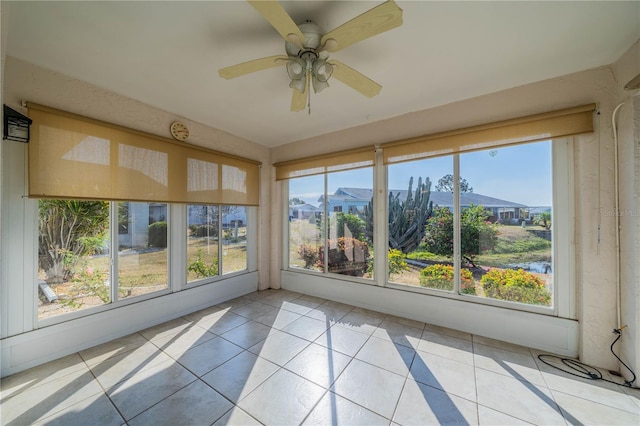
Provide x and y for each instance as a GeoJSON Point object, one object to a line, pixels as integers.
{"type": "Point", "coordinates": [166, 54]}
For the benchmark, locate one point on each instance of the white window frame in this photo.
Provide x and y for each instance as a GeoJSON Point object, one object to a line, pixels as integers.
{"type": "Point", "coordinates": [563, 248]}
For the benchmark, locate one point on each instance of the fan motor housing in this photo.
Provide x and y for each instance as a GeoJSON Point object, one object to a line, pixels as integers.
{"type": "Point", "coordinates": [312, 36]}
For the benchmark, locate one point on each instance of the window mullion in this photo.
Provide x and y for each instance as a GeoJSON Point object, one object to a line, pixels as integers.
{"type": "Point", "coordinates": [456, 225]}
{"type": "Point", "coordinates": [113, 250]}
{"type": "Point", "coordinates": [325, 224]}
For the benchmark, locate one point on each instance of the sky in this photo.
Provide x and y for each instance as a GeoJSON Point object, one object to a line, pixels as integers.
{"type": "Point", "coordinates": [520, 174]}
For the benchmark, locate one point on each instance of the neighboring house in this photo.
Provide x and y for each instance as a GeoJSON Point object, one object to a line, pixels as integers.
{"type": "Point", "coordinates": [303, 211]}
{"type": "Point", "coordinates": [351, 199]}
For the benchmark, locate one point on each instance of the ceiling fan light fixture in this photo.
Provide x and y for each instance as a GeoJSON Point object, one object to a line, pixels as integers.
{"type": "Point", "coordinates": [322, 70]}
{"type": "Point", "coordinates": [318, 85]}
{"type": "Point", "coordinates": [296, 68]}
{"type": "Point", "coordinates": [298, 84]}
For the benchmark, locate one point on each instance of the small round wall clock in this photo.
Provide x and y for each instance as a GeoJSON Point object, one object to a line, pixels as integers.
{"type": "Point", "coordinates": [179, 131]}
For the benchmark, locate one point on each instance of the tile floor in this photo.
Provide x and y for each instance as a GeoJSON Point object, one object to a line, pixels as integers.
{"type": "Point", "coordinates": [282, 358]}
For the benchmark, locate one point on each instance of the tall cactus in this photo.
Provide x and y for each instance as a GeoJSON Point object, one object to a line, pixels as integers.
{"type": "Point", "coordinates": [407, 218]}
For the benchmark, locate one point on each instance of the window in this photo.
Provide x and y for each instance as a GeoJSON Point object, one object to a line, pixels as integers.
{"type": "Point", "coordinates": [202, 242]}
{"type": "Point", "coordinates": [76, 268]}
{"type": "Point", "coordinates": [73, 256]}
{"type": "Point", "coordinates": [487, 227]}
{"type": "Point", "coordinates": [346, 237]}
{"type": "Point", "coordinates": [234, 242]}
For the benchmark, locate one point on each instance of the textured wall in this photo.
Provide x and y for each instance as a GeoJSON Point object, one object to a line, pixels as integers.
{"type": "Point", "coordinates": [595, 259]}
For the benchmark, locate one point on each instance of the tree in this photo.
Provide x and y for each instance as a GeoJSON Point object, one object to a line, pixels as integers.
{"type": "Point", "coordinates": [445, 184]}
{"type": "Point", "coordinates": [407, 218]}
{"type": "Point", "coordinates": [351, 223]}
{"type": "Point", "coordinates": [295, 201]}
{"type": "Point", "coordinates": [70, 230]}
{"type": "Point", "coordinates": [544, 220]}
{"type": "Point", "coordinates": [477, 235]}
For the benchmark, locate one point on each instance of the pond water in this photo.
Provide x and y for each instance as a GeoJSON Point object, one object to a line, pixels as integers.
{"type": "Point", "coordinates": [539, 267]}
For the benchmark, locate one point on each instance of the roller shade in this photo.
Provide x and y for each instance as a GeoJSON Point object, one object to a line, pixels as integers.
{"type": "Point", "coordinates": [71, 156]}
{"type": "Point", "coordinates": [555, 124]}
{"type": "Point", "coordinates": [335, 162]}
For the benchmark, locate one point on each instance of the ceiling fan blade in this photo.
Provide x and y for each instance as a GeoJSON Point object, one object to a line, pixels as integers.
{"type": "Point", "coordinates": [355, 79]}
{"type": "Point", "coordinates": [273, 12]}
{"type": "Point", "coordinates": [381, 18]}
{"type": "Point", "coordinates": [299, 99]}
{"type": "Point", "coordinates": [252, 66]}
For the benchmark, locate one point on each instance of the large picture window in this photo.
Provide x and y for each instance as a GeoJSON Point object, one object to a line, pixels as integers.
{"type": "Point", "coordinates": [96, 253]}
{"type": "Point", "coordinates": [331, 223]}
{"type": "Point", "coordinates": [484, 223]}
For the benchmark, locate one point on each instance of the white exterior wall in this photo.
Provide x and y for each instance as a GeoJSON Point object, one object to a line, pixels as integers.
{"type": "Point", "coordinates": [593, 173]}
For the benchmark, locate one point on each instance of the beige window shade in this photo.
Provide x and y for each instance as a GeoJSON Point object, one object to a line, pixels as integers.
{"type": "Point", "coordinates": [539, 127]}
{"type": "Point", "coordinates": [76, 157]}
{"type": "Point", "coordinates": [335, 162]}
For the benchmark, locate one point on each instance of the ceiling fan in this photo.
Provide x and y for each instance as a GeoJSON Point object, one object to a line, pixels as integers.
{"type": "Point", "coordinates": [307, 59]}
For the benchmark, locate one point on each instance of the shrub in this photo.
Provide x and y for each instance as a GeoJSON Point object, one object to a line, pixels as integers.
{"type": "Point", "coordinates": [515, 286]}
{"type": "Point", "coordinates": [158, 234]}
{"type": "Point", "coordinates": [203, 231]}
{"type": "Point", "coordinates": [201, 269]}
{"type": "Point", "coordinates": [477, 234]}
{"type": "Point", "coordinates": [309, 254]}
{"type": "Point", "coordinates": [440, 276]}
{"type": "Point", "coordinates": [395, 261]}
{"type": "Point", "coordinates": [352, 223]}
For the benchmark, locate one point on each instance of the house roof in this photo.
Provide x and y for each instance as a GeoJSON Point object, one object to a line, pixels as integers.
{"type": "Point", "coordinates": [443, 199]}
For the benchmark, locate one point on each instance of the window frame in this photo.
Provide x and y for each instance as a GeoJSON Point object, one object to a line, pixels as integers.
{"type": "Point", "coordinates": [563, 248]}
{"type": "Point", "coordinates": [176, 262]}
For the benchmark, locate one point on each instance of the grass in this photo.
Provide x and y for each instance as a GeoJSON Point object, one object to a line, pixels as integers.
{"type": "Point", "coordinates": [144, 272]}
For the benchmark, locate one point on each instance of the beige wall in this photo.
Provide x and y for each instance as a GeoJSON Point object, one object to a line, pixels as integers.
{"type": "Point", "coordinates": [32, 83]}
{"type": "Point", "coordinates": [628, 119]}
{"type": "Point", "coordinates": [595, 261]}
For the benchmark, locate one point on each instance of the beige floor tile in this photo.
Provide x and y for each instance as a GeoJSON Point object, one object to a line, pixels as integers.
{"type": "Point", "coordinates": [209, 355]}
{"type": "Point", "coordinates": [165, 329]}
{"type": "Point", "coordinates": [124, 366]}
{"type": "Point", "coordinates": [40, 375]}
{"type": "Point", "coordinates": [319, 364]}
{"type": "Point", "coordinates": [423, 405]}
{"type": "Point", "coordinates": [278, 318]}
{"type": "Point", "coordinates": [360, 322]}
{"type": "Point", "coordinates": [237, 417]}
{"type": "Point", "coordinates": [95, 410]}
{"type": "Point", "coordinates": [39, 402]}
{"type": "Point", "coordinates": [388, 355]}
{"type": "Point", "coordinates": [330, 312]}
{"type": "Point", "coordinates": [342, 339]}
{"type": "Point", "coordinates": [221, 323]}
{"type": "Point", "coordinates": [307, 328]}
{"type": "Point", "coordinates": [283, 399]}
{"type": "Point", "coordinates": [490, 417]}
{"type": "Point", "coordinates": [361, 383]}
{"type": "Point", "coordinates": [514, 364]}
{"type": "Point", "coordinates": [431, 328]}
{"type": "Point", "coordinates": [301, 306]}
{"type": "Point", "coordinates": [149, 387]}
{"type": "Point", "coordinates": [583, 411]}
{"type": "Point", "coordinates": [336, 410]}
{"type": "Point", "coordinates": [279, 347]}
{"type": "Point", "coordinates": [115, 347]}
{"type": "Point", "coordinates": [195, 404]}
{"type": "Point", "coordinates": [248, 334]}
{"type": "Point", "coordinates": [177, 344]}
{"type": "Point", "coordinates": [400, 334]}
{"type": "Point", "coordinates": [501, 345]}
{"type": "Point", "coordinates": [451, 376]}
{"type": "Point", "coordinates": [237, 377]}
{"type": "Point", "coordinates": [516, 398]}
{"type": "Point", "coordinates": [253, 309]}
{"type": "Point", "coordinates": [446, 346]}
